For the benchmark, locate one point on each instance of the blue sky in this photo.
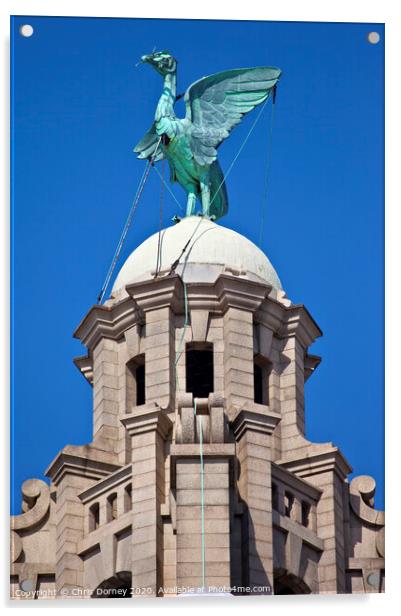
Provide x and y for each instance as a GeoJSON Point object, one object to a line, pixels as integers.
{"type": "Point", "coordinates": [80, 106]}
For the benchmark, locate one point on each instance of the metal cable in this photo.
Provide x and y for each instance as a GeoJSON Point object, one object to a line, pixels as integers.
{"type": "Point", "coordinates": [202, 482]}
{"type": "Point", "coordinates": [132, 211]}
{"type": "Point", "coordinates": [179, 353]}
{"type": "Point", "coordinates": [267, 177]}
{"type": "Point", "coordinates": [176, 262]}
{"type": "Point", "coordinates": [168, 188]}
{"type": "Point", "coordinates": [158, 259]}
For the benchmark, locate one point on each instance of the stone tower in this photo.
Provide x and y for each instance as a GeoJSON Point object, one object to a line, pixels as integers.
{"type": "Point", "coordinates": [199, 473]}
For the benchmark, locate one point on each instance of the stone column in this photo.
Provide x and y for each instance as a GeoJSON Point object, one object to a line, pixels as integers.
{"type": "Point", "coordinates": [252, 432]}
{"type": "Point", "coordinates": [148, 427]}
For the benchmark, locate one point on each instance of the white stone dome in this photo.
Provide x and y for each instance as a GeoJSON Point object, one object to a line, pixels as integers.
{"type": "Point", "coordinates": [211, 250]}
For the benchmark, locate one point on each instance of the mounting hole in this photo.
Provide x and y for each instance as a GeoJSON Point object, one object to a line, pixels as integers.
{"type": "Point", "coordinates": [373, 37]}
{"type": "Point", "coordinates": [373, 579]}
{"type": "Point", "coordinates": [26, 585]}
{"type": "Point", "coordinates": [26, 30]}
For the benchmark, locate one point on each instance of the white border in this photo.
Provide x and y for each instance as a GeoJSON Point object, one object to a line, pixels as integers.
{"type": "Point", "coordinates": [285, 10]}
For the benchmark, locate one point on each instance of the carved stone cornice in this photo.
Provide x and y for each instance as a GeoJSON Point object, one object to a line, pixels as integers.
{"type": "Point", "coordinates": [271, 314]}
{"type": "Point", "coordinates": [254, 417]}
{"type": "Point", "coordinates": [107, 322]}
{"type": "Point", "coordinates": [214, 450]}
{"type": "Point", "coordinates": [203, 296]}
{"type": "Point", "coordinates": [299, 323]}
{"type": "Point", "coordinates": [226, 291]}
{"type": "Point", "coordinates": [225, 451]}
{"type": "Point", "coordinates": [166, 292]}
{"type": "Point", "coordinates": [311, 362]}
{"type": "Point", "coordinates": [121, 475]}
{"type": "Point", "coordinates": [84, 363]}
{"type": "Point", "coordinates": [84, 461]}
{"type": "Point", "coordinates": [235, 292]}
{"type": "Point", "coordinates": [287, 321]}
{"type": "Point", "coordinates": [147, 418]}
{"type": "Point", "coordinates": [317, 459]}
{"type": "Point", "coordinates": [294, 482]}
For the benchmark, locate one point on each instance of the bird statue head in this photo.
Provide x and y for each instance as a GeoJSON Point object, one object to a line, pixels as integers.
{"type": "Point", "coordinates": [162, 61]}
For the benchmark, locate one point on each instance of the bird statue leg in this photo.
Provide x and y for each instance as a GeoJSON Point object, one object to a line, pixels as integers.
{"type": "Point", "coordinates": [191, 203]}
{"type": "Point", "coordinates": [205, 194]}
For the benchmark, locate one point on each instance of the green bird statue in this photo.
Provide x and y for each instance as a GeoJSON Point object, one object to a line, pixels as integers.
{"type": "Point", "coordinates": [214, 106]}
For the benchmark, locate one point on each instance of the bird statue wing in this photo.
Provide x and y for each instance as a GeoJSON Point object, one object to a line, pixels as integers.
{"type": "Point", "coordinates": [147, 145]}
{"type": "Point", "coordinates": [216, 104]}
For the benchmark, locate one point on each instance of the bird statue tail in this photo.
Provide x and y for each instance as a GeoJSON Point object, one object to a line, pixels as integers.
{"type": "Point", "coordinates": [218, 192]}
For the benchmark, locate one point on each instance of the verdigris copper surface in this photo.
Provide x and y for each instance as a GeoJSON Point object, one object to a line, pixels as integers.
{"type": "Point", "coordinates": [214, 106]}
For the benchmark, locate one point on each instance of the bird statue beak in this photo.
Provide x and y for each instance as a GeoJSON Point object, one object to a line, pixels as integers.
{"type": "Point", "coordinates": [145, 58]}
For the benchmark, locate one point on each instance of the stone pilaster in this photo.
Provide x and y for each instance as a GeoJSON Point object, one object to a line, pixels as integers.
{"type": "Point", "coordinates": [158, 301]}
{"type": "Point", "coordinates": [159, 357]}
{"type": "Point", "coordinates": [293, 331]}
{"type": "Point", "coordinates": [73, 470]}
{"type": "Point", "coordinates": [326, 468]}
{"type": "Point", "coordinates": [200, 474]}
{"type": "Point", "coordinates": [238, 356]}
{"type": "Point", "coordinates": [148, 427]}
{"type": "Point", "coordinates": [216, 337]}
{"type": "Point", "coordinates": [183, 335]}
{"type": "Point", "coordinates": [186, 478]}
{"type": "Point", "coordinates": [106, 395]}
{"type": "Point", "coordinates": [253, 449]}
{"type": "Point", "coordinates": [330, 527]}
{"type": "Point", "coordinates": [292, 379]}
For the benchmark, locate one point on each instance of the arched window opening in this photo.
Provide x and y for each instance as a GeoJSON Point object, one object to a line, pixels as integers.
{"type": "Point", "coordinates": [281, 588]}
{"type": "Point", "coordinates": [112, 507]}
{"type": "Point", "coordinates": [94, 517]}
{"type": "Point", "coordinates": [275, 496]}
{"type": "Point", "coordinates": [116, 587]}
{"type": "Point", "coordinates": [261, 377]}
{"type": "Point", "coordinates": [135, 373]}
{"type": "Point", "coordinates": [286, 583]}
{"type": "Point", "coordinates": [288, 503]}
{"type": "Point", "coordinates": [128, 498]}
{"type": "Point", "coordinates": [199, 369]}
{"type": "Point", "coordinates": [305, 511]}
